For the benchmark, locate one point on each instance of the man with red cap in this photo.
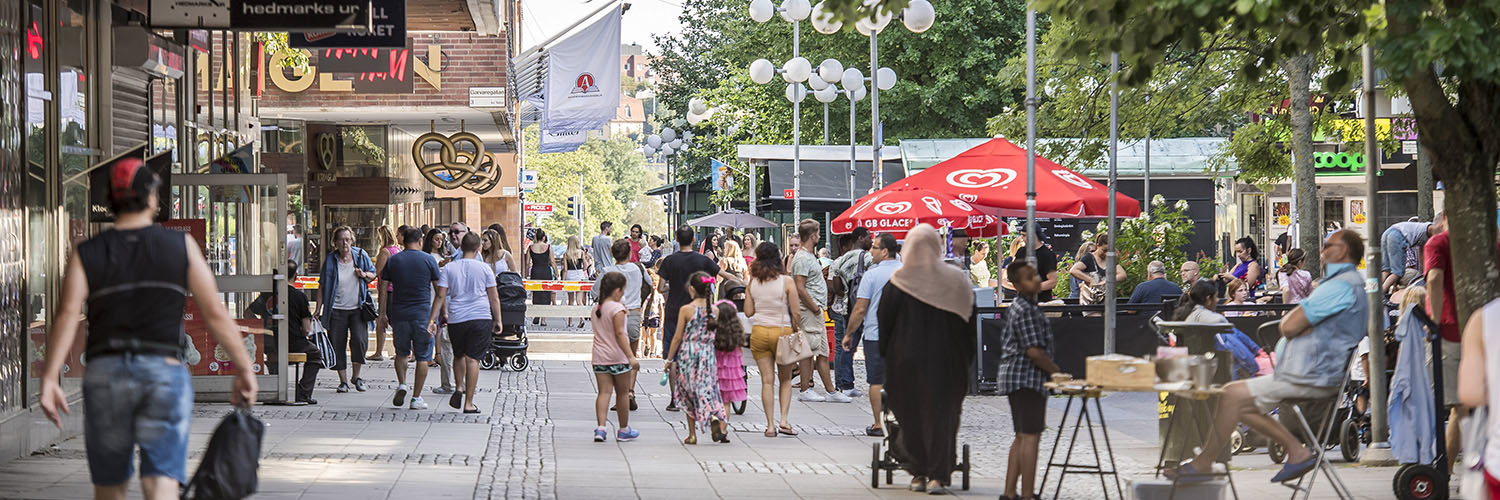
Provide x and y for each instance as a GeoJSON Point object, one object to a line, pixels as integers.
{"type": "Point", "coordinates": [135, 279]}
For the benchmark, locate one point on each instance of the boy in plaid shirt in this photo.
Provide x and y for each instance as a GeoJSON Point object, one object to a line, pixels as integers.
{"type": "Point", "coordinates": [1025, 363]}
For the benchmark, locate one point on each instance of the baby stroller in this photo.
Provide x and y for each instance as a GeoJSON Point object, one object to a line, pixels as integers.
{"type": "Point", "coordinates": [509, 344]}
{"type": "Point", "coordinates": [890, 460]}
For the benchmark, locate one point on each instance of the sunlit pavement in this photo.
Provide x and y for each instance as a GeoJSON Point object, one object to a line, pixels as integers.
{"type": "Point", "coordinates": [534, 440]}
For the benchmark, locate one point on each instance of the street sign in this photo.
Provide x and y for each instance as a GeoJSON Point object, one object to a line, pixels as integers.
{"type": "Point", "coordinates": [486, 97]}
{"type": "Point", "coordinates": [264, 15]}
{"type": "Point", "coordinates": [528, 180]}
{"type": "Point", "coordinates": [389, 31]}
{"type": "Point", "coordinates": [789, 194]}
{"type": "Point", "coordinates": [538, 207]}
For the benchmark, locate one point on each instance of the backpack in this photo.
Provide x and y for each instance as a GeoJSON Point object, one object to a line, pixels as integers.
{"type": "Point", "coordinates": [646, 290]}
{"type": "Point", "coordinates": [229, 466]}
{"type": "Point", "coordinates": [851, 292]}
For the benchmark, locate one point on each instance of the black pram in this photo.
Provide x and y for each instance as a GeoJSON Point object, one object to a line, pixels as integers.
{"type": "Point", "coordinates": [509, 344]}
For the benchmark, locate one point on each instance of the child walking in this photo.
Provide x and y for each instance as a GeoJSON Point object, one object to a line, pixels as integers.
{"type": "Point", "coordinates": [729, 334]}
{"type": "Point", "coordinates": [614, 363]}
{"type": "Point", "coordinates": [696, 367]}
{"type": "Point", "coordinates": [1025, 362]}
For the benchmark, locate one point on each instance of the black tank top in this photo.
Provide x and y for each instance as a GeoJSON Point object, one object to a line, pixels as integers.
{"type": "Point", "coordinates": [137, 288]}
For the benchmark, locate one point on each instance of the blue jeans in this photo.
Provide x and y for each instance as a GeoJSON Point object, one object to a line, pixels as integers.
{"type": "Point", "coordinates": [1393, 252]}
{"type": "Point", "coordinates": [843, 360]}
{"type": "Point", "coordinates": [136, 400]}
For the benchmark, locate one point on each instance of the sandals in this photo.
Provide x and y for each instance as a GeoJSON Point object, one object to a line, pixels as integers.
{"type": "Point", "coordinates": [770, 432]}
{"type": "Point", "coordinates": [690, 440]}
{"type": "Point", "coordinates": [786, 429]}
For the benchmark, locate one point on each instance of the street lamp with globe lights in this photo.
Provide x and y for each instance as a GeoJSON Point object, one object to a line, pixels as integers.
{"type": "Point", "coordinates": [794, 71]}
{"type": "Point", "coordinates": [832, 70]}
{"type": "Point", "coordinates": [918, 17]}
{"type": "Point", "coordinates": [669, 143]}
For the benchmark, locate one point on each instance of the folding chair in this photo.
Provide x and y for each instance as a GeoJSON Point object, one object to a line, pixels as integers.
{"type": "Point", "coordinates": [1317, 441]}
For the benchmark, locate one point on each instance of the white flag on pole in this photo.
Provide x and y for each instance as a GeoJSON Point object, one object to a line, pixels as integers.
{"type": "Point", "coordinates": [563, 142]}
{"type": "Point", "coordinates": [583, 78]}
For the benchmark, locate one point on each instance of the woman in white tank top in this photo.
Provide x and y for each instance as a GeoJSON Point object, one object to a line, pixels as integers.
{"type": "Point", "coordinates": [766, 303]}
{"type": "Point", "coordinates": [1479, 381]}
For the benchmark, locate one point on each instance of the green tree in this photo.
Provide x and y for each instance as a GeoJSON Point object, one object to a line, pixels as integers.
{"type": "Point", "coordinates": [559, 176]}
{"type": "Point", "coordinates": [1456, 110]}
{"type": "Point", "coordinates": [624, 166]}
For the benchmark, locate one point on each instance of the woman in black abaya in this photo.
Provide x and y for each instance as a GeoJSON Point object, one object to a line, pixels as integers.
{"type": "Point", "coordinates": [926, 318]}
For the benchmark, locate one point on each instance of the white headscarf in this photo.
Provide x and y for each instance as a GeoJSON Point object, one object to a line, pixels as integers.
{"type": "Point", "coordinates": [927, 278]}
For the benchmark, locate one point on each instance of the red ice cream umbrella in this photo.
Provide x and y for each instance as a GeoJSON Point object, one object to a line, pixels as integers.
{"type": "Point", "coordinates": [899, 210]}
{"type": "Point", "coordinates": [992, 176]}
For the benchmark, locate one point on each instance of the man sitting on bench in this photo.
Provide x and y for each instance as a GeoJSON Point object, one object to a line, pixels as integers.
{"type": "Point", "coordinates": [1312, 357]}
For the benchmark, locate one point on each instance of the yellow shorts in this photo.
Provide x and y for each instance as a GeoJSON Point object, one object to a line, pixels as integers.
{"type": "Point", "coordinates": [763, 340]}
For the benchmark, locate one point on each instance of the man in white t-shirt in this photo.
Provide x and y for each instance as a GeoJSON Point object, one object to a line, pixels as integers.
{"type": "Point", "coordinates": [599, 247]}
{"type": "Point", "coordinates": [467, 287]}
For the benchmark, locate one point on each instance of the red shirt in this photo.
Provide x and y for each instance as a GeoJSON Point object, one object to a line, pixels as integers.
{"type": "Point", "coordinates": [1436, 255]}
{"type": "Point", "coordinates": [635, 250]}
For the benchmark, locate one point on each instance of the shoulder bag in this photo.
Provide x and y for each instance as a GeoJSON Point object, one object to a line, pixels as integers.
{"type": "Point", "coordinates": [793, 347]}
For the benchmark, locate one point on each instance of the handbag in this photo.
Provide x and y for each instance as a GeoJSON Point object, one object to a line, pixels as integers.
{"type": "Point", "coordinates": [793, 347]}
{"type": "Point", "coordinates": [320, 341]}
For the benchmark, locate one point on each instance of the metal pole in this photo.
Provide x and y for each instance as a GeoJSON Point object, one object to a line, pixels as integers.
{"type": "Point", "coordinates": [1372, 257]}
{"type": "Point", "coordinates": [1031, 139]}
{"type": "Point", "coordinates": [853, 155]}
{"type": "Point", "coordinates": [1147, 198]}
{"type": "Point", "coordinates": [825, 123]}
{"type": "Point", "coordinates": [1109, 257]}
{"type": "Point", "coordinates": [796, 134]}
{"type": "Point", "coordinates": [579, 215]}
{"type": "Point", "coordinates": [753, 192]}
{"type": "Point", "coordinates": [876, 137]}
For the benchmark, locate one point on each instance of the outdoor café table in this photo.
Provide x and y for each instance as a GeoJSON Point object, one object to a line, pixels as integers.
{"type": "Point", "coordinates": [1084, 392]}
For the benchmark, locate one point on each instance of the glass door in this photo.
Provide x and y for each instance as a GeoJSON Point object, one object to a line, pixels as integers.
{"type": "Point", "coordinates": [238, 221]}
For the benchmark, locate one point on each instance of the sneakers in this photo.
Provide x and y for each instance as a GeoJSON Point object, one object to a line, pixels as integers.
{"type": "Point", "coordinates": [626, 434]}
{"type": "Point", "coordinates": [359, 384]}
{"type": "Point", "coordinates": [343, 388]}
{"type": "Point", "coordinates": [400, 398]}
{"type": "Point", "coordinates": [811, 395]}
{"type": "Point", "coordinates": [853, 393]}
{"type": "Point", "coordinates": [839, 397]}
{"type": "Point", "coordinates": [600, 435]}
{"type": "Point", "coordinates": [417, 404]}
{"type": "Point", "coordinates": [443, 390]}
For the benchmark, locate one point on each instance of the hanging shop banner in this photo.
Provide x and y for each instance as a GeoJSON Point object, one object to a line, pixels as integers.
{"type": "Point", "coordinates": [265, 15]}
{"type": "Point", "coordinates": [583, 78]}
{"type": "Point", "coordinates": [565, 142]}
{"type": "Point", "coordinates": [720, 174]}
{"type": "Point", "coordinates": [389, 31]}
{"type": "Point", "coordinates": [99, 184]}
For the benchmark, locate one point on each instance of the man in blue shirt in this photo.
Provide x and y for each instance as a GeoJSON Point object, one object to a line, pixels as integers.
{"type": "Point", "coordinates": [1318, 340]}
{"type": "Point", "coordinates": [1157, 287]}
{"type": "Point", "coordinates": [887, 255]}
{"type": "Point", "coordinates": [412, 274]}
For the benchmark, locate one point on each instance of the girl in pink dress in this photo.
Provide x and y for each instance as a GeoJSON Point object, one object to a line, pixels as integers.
{"type": "Point", "coordinates": [729, 335]}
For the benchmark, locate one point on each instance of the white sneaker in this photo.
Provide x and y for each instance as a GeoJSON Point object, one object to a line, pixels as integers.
{"type": "Point", "coordinates": [400, 399]}
{"type": "Point", "coordinates": [417, 404]}
{"type": "Point", "coordinates": [853, 393]}
{"type": "Point", "coordinates": [839, 397]}
{"type": "Point", "coordinates": [811, 395]}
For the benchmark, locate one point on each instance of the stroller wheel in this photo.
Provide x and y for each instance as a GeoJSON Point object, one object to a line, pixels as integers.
{"type": "Point", "coordinates": [1278, 453]}
{"type": "Point", "coordinates": [490, 362]}
{"type": "Point", "coordinates": [1236, 442]}
{"type": "Point", "coordinates": [1349, 440]}
{"type": "Point", "coordinates": [1419, 482]}
{"type": "Point", "coordinates": [739, 408]}
{"type": "Point", "coordinates": [519, 362]}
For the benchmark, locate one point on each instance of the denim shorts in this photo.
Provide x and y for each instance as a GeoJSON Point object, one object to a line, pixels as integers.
{"type": "Point", "coordinates": [874, 363]}
{"type": "Point", "coordinates": [411, 337]}
{"type": "Point", "coordinates": [136, 400]}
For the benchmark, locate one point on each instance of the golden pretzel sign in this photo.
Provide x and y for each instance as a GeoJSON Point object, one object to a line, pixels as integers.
{"type": "Point", "coordinates": [473, 170]}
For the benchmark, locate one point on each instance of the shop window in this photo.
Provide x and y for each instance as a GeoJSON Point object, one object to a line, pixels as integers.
{"type": "Point", "coordinates": [364, 151]}
{"type": "Point", "coordinates": [282, 137]}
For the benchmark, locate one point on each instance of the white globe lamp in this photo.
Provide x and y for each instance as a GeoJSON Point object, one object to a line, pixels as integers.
{"type": "Point", "coordinates": [654, 141]}
{"type": "Point", "coordinates": [667, 134]}
{"type": "Point", "coordinates": [697, 106]}
{"type": "Point", "coordinates": [676, 144]}
{"type": "Point", "coordinates": [918, 16]}
{"type": "Point", "coordinates": [816, 82]}
{"type": "Point", "coordinates": [860, 93]}
{"type": "Point", "coordinates": [826, 94]}
{"type": "Point", "coordinates": [796, 70]}
{"type": "Point", "coordinates": [886, 78]}
{"type": "Point", "coordinates": [795, 10]}
{"type": "Point", "coordinates": [795, 92]}
{"type": "Point", "coordinates": [830, 70]}
{"type": "Point", "coordinates": [823, 21]}
{"type": "Point", "coordinates": [852, 78]}
{"type": "Point", "coordinates": [762, 10]}
{"type": "Point", "coordinates": [761, 71]}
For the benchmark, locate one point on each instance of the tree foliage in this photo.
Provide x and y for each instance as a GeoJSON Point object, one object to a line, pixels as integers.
{"type": "Point", "coordinates": [604, 167]}
{"type": "Point", "coordinates": [947, 79]}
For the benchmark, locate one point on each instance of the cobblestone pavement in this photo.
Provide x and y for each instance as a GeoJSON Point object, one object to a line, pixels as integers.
{"type": "Point", "coordinates": [534, 440]}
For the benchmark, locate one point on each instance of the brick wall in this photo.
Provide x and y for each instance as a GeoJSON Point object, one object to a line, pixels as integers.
{"type": "Point", "coordinates": [467, 60]}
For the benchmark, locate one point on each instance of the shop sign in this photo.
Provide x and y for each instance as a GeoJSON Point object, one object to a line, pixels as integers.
{"type": "Point", "coordinates": [1339, 163]}
{"type": "Point", "coordinates": [99, 183]}
{"type": "Point", "coordinates": [469, 167]}
{"type": "Point", "coordinates": [396, 76]}
{"type": "Point", "coordinates": [389, 31]}
{"type": "Point", "coordinates": [373, 60]}
{"type": "Point", "coordinates": [789, 194]}
{"type": "Point", "coordinates": [486, 97]}
{"type": "Point", "coordinates": [264, 15]}
{"type": "Point", "coordinates": [528, 180]}
{"type": "Point", "coordinates": [538, 207]}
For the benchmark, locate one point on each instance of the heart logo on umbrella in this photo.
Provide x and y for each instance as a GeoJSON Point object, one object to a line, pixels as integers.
{"type": "Point", "coordinates": [453, 167]}
{"type": "Point", "coordinates": [971, 198]}
{"type": "Point", "coordinates": [1072, 178]}
{"type": "Point", "coordinates": [893, 208]}
{"type": "Point", "coordinates": [933, 204]}
{"type": "Point", "coordinates": [973, 178]}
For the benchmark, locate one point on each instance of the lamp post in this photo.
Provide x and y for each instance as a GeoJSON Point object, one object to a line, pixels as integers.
{"type": "Point", "coordinates": [794, 72]}
{"type": "Point", "coordinates": [831, 70]}
{"type": "Point", "coordinates": [918, 17]}
{"type": "Point", "coordinates": [669, 142]}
